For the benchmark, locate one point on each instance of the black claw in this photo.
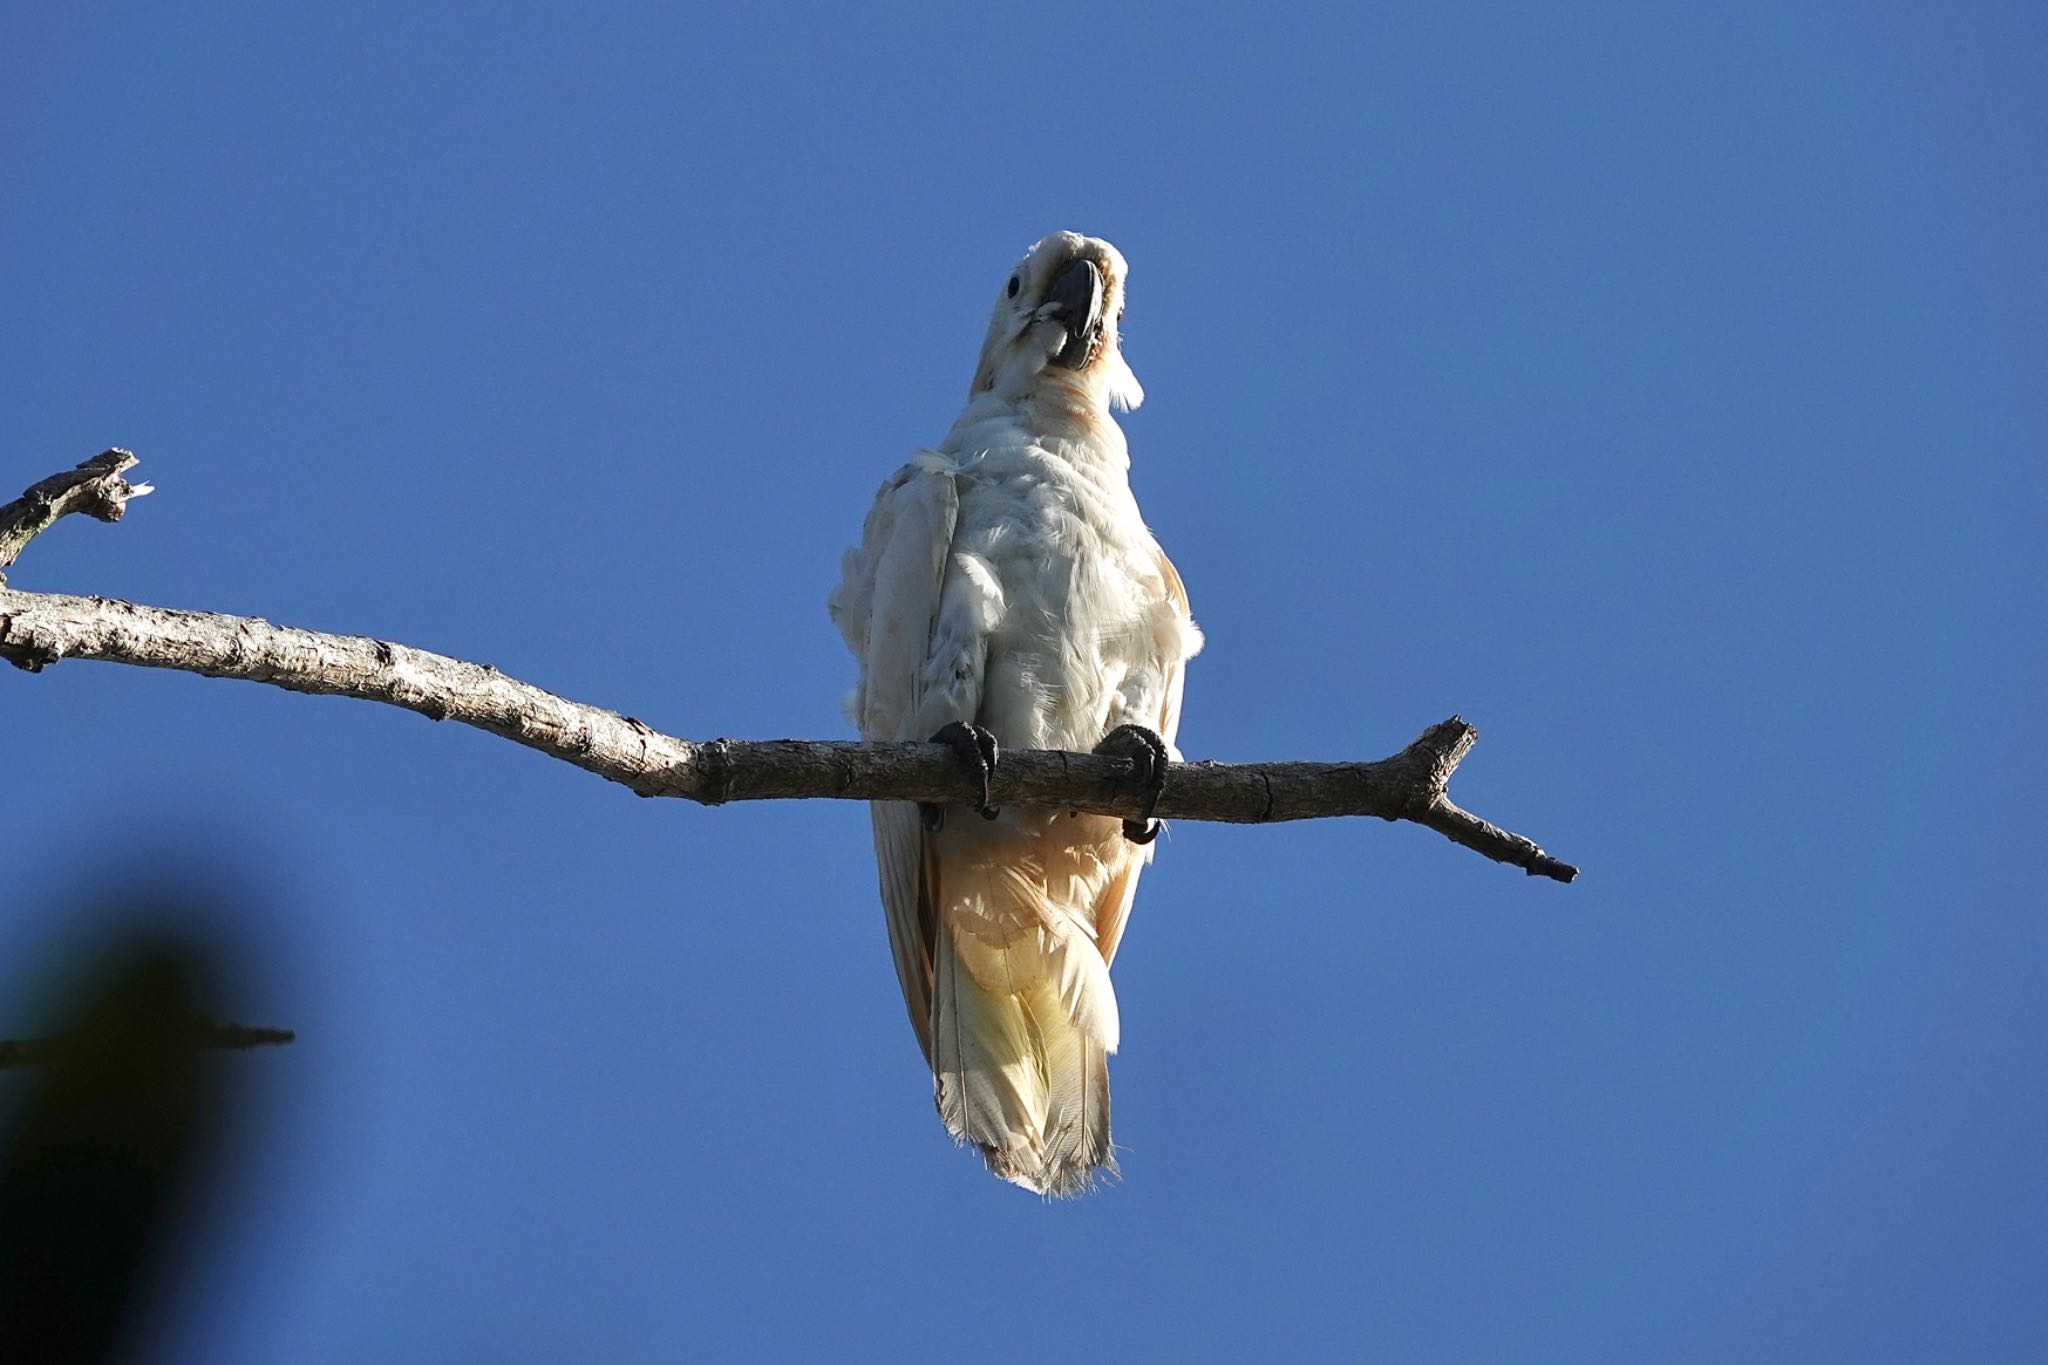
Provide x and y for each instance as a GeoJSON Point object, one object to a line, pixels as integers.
{"type": "Point", "coordinates": [978, 747]}
{"type": "Point", "coordinates": [1150, 756]}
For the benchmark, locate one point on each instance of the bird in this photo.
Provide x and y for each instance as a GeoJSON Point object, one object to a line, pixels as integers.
{"type": "Point", "coordinates": [1007, 594]}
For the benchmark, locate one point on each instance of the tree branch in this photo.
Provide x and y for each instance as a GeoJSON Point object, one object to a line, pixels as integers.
{"type": "Point", "coordinates": [95, 488]}
{"type": "Point", "coordinates": [204, 1034]}
{"type": "Point", "coordinates": [38, 629]}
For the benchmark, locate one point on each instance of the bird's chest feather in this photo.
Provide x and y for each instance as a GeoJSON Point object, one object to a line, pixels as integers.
{"type": "Point", "coordinates": [1070, 574]}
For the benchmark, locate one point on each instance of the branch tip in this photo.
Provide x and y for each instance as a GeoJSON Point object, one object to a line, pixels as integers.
{"type": "Point", "coordinates": [94, 488]}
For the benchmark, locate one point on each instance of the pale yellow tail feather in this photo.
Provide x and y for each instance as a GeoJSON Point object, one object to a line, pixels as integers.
{"type": "Point", "coordinates": [1018, 1077]}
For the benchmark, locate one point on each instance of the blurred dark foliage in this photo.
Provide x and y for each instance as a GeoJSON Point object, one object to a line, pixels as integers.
{"type": "Point", "coordinates": [110, 1150]}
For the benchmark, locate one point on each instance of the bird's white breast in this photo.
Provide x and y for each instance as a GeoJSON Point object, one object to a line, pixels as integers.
{"type": "Point", "coordinates": [1051, 554]}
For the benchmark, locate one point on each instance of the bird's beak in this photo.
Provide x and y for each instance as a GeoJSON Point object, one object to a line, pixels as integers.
{"type": "Point", "coordinates": [1075, 302]}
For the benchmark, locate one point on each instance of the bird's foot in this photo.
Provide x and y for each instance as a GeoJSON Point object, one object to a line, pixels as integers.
{"type": "Point", "coordinates": [978, 747]}
{"type": "Point", "coordinates": [1150, 756]}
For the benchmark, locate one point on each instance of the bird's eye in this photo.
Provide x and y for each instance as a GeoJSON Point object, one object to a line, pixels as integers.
{"type": "Point", "coordinates": [1012, 293]}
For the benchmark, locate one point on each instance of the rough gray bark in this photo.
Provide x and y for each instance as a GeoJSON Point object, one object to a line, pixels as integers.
{"type": "Point", "coordinates": [95, 488]}
{"type": "Point", "coordinates": [38, 629]}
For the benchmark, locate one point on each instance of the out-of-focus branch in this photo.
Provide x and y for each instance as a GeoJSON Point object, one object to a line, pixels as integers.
{"type": "Point", "coordinates": [204, 1034]}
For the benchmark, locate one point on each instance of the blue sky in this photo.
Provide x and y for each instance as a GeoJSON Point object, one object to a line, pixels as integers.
{"type": "Point", "coordinates": [1661, 388]}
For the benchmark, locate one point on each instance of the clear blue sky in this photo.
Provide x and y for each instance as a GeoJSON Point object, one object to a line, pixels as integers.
{"type": "Point", "coordinates": [1660, 387]}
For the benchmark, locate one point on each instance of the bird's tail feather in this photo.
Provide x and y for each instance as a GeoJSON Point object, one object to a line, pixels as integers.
{"type": "Point", "coordinates": [1017, 1075]}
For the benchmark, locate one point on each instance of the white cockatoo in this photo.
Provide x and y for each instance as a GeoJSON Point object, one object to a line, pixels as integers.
{"type": "Point", "coordinates": [1007, 593]}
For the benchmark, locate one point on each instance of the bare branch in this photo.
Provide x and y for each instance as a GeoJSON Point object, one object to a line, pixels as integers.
{"type": "Point", "coordinates": [38, 629]}
{"type": "Point", "coordinates": [95, 488]}
{"type": "Point", "coordinates": [205, 1034]}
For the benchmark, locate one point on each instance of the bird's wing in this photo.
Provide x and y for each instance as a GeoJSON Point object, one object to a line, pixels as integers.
{"type": "Point", "coordinates": [904, 551]}
{"type": "Point", "coordinates": [1113, 907]}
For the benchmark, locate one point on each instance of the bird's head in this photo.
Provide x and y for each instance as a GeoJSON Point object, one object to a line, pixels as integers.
{"type": "Point", "coordinates": [1054, 332]}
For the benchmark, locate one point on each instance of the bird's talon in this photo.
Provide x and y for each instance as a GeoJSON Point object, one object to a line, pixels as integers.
{"type": "Point", "coordinates": [978, 747]}
{"type": "Point", "coordinates": [1147, 753]}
